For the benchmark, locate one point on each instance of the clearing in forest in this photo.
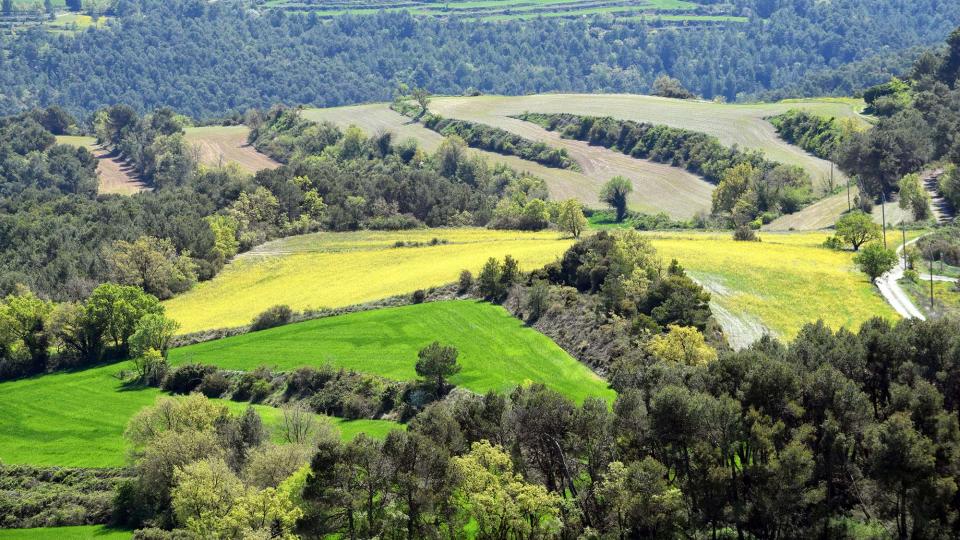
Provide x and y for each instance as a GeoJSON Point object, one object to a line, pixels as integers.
{"type": "Point", "coordinates": [329, 270]}
{"type": "Point", "coordinates": [220, 145]}
{"type": "Point", "coordinates": [496, 350]}
{"type": "Point", "coordinates": [116, 177]}
{"type": "Point", "coordinates": [77, 418]}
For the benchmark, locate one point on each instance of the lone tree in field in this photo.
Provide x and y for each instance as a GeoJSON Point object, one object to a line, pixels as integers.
{"type": "Point", "coordinates": [875, 260]}
{"type": "Point", "coordinates": [422, 97]}
{"type": "Point", "coordinates": [857, 228]}
{"type": "Point", "coordinates": [571, 218]}
{"type": "Point", "coordinates": [615, 194]}
{"type": "Point", "coordinates": [437, 363]}
{"type": "Point", "coordinates": [667, 86]}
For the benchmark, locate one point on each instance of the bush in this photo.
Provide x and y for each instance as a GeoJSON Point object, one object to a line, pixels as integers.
{"type": "Point", "coordinates": [272, 317]}
{"type": "Point", "coordinates": [306, 381]}
{"type": "Point", "coordinates": [833, 242]}
{"type": "Point", "coordinates": [465, 283]}
{"type": "Point", "coordinates": [254, 386]}
{"type": "Point", "coordinates": [214, 384]}
{"type": "Point", "coordinates": [186, 378]}
{"type": "Point", "coordinates": [744, 233]}
{"type": "Point", "coordinates": [419, 296]}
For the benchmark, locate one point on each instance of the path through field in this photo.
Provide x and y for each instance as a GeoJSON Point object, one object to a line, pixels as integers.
{"type": "Point", "coordinates": [943, 211]}
{"type": "Point", "coordinates": [219, 145]}
{"type": "Point", "coordinates": [115, 175]}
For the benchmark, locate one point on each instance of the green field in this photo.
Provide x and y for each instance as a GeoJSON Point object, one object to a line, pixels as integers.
{"type": "Point", "coordinates": [90, 532]}
{"type": "Point", "coordinates": [497, 351]}
{"type": "Point", "coordinates": [341, 269]}
{"type": "Point", "coordinates": [497, 10]}
{"type": "Point", "coordinates": [76, 419]}
{"type": "Point", "coordinates": [657, 187]}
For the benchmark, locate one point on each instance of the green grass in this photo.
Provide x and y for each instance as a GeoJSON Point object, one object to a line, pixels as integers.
{"type": "Point", "coordinates": [497, 351]}
{"type": "Point", "coordinates": [342, 269]}
{"type": "Point", "coordinates": [946, 297]}
{"type": "Point", "coordinates": [89, 532]}
{"type": "Point", "coordinates": [76, 419]}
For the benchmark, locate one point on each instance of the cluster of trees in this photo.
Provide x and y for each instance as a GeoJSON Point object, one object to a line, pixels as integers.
{"type": "Point", "coordinates": [153, 144]}
{"type": "Point", "coordinates": [500, 141]}
{"type": "Point", "coordinates": [819, 135]}
{"type": "Point", "coordinates": [919, 124]}
{"type": "Point", "coordinates": [838, 434]}
{"type": "Point", "coordinates": [749, 187]}
{"type": "Point", "coordinates": [115, 321]}
{"type": "Point", "coordinates": [781, 46]}
{"type": "Point", "coordinates": [376, 183]}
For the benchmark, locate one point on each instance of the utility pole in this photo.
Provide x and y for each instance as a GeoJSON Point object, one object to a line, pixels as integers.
{"type": "Point", "coordinates": [849, 204]}
{"type": "Point", "coordinates": [931, 285]}
{"type": "Point", "coordinates": [903, 229]}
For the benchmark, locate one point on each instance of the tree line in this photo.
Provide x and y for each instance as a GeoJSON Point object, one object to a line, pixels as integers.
{"type": "Point", "coordinates": [750, 188]}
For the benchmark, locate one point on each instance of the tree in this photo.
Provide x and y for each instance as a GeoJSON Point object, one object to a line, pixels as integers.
{"type": "Point", "coordinates": [857, 228]}
{"type": "Point", "coordinates": [571, 219]}
{"type": "Point", "coordinates": [876, 260]}
{"type": "Point", "coordinates": [489, 282]}
{"type": "Point", "coordinates": [436, 364]}
{"type": "Point", "coordinates": [117, 309]}
{"type": "Point", "coordinates": [152, 332]}
{"type": "Point", "coordinates": [682, 345]}
{"type": "Point", "coordinates": [538, 299]}
{"type": "Point", "coordinates": [74, 5]}
{"type": "Point", "coordinates": [640, 501]}
{"type": "Point", "coordinates": [667, 86]}
{"type": "Point", "coordinates": [733, 185]}
{"type": "Point", "coordinates": [615, 193]}
{"type": "Point", "coordinates": [7, 7]}
{"type": "Point", "coordinates": [913, 197]}
{"type": "Point", "coordinates": [153, 265]}
{"type": "Point", "coordinates": [422, 97]}
{"type": "Point", "coordinates": [502, 504]}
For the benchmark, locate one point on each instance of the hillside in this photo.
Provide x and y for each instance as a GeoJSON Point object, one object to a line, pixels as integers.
{"type": "Point", "coordinates": [496, 351]}
{"type": "Point", "coordinates": [658, 187]}
{"type": "Point", "coordinates": [329, 270]}
{"type": "Point", "coordinates": [220, 145]}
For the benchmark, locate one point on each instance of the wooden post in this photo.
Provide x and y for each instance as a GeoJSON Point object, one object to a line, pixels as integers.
{"type": "Point", "coordinates": [903, 229]}
{"type": "Point", "coordinates": [931, 285]}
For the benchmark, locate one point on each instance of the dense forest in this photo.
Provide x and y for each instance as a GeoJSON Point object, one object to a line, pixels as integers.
{"type": "Point", "coordinates": [919, 124]}
{"type": "Point", "coordinates": [220, 57]}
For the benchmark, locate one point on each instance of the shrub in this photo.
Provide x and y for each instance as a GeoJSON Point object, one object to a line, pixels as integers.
{"type": "Point", "coordinates": [833, 242]}
{"type": "Point", "coordinates": [419, 296]}
{"type": "Point", "coordinates": [744, 233]}
{"type": "Point", "coordinates": [254, 386]}
{"type": "Point", "coordinates": [272, 317]}
{"type": "Point", "coordinates": [214, 384]}
{"type": "Point", "coordinates": [186, 378]}
{"type": "Point", "coordinates": [465, 283]}
{"type": "Point", "coordinates": [306, 381]}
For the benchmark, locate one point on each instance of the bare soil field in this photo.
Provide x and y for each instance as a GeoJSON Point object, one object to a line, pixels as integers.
{"type": "Point", "coordinates": [219, 145]}
{"type": "Point", "coordinates": [115, 175]}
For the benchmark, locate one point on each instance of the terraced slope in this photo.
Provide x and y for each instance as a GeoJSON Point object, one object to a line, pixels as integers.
{"type": "Point", "coordinates": [658, 187]}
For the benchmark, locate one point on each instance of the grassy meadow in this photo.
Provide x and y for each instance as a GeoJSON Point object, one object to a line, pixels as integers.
{"type": "Point", "coordinates": [88, 532]}
{"type": "Point", "coordinates": [328, 270]}
{"type": "Point", "coordinates": [777, 284]}
{"type": "Point", "coordinates": [497, 351]}
{"type": "Point", "coordinates": [76, 419]}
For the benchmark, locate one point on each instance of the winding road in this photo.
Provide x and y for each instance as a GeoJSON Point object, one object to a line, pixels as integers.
{"type": "Point", "coordinates": [895, 295]}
